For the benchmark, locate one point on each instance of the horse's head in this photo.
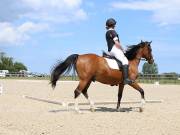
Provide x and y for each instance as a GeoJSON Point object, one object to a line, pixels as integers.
{"type": "Point", "coordinates": [147, 51]}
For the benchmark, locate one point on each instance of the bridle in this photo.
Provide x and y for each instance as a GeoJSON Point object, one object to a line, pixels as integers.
{"type": "Point", "coordinates": [141, 59]}
{"type": "Point", "coordinates": [144, 59]}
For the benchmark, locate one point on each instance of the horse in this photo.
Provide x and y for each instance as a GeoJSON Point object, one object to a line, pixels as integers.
{"type": "Point", "coordinates": [91, 67]}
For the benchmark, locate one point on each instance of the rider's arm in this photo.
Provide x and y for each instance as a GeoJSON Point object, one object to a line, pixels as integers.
{"type": "Point", "coordinates": [117, 43]}
{"type": "Point", "coordinates": [114, 36]}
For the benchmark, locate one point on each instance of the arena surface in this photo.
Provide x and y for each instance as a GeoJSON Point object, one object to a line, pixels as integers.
{"type": "Point", "coordinates": [21, 116]}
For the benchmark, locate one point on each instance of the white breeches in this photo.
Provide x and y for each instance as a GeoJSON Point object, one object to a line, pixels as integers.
{"type": "Point", "coordinates": [118, 53]}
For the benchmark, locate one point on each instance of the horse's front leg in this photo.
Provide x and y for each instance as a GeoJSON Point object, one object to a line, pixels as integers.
{"type": "Point", "coordinates": [120, 91]}
{"type": "Point", "coordinates": [138, 88]}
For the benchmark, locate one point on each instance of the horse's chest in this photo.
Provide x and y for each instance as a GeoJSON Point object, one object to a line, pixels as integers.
{"type": "Point", "coordinates": [133, 73]}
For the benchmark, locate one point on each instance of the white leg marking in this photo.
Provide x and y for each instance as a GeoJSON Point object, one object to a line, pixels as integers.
{"type": "Point", "coordinates": [142, 105]}
{"type": "Point", "coordinates": [66, 105]}
{"type": "Point", "coordinates": [92, 108]}
{"type": "Point", "coordinates": [76, 107]}
{"type": "Point", "coordinates": [143, 102]}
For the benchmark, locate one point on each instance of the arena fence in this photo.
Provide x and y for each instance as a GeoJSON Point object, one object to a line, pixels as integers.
{"type": "Point", "coordinates": [159, 78]}
{"type": "Point", "coordinates": [142, 78]}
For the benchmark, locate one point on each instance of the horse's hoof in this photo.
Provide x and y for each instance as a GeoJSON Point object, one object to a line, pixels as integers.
{"type": "Point", "coordinates": [64, 104]}
{"type": "Point", "coordinates": [141, 109]}
{"type": "Point", "coordinates": [118, 110]}
{"type": "Point", "coordinates": [121, 110]}
{"type": "Point", "coordinates": [143, 102]}
{"type": "Point", "coordinates": [78, 111]}
{"type": "Point", "coordinates": [92, 109]}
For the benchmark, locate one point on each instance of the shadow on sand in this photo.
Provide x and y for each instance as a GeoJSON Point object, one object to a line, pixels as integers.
{"type": "Point", "coordinates": [101, 109]}
{"type": "Point", "coordinates": [125, 109]}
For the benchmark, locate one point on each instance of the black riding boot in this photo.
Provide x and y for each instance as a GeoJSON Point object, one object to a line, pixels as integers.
{"type": "Point", "coordinates": [125, 74]}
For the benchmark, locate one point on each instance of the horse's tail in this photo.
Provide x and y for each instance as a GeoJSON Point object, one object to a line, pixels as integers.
{"type": "Point", "coordinates": [63, 67]}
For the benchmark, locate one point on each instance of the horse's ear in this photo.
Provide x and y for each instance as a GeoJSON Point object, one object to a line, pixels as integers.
{"type": "Point", "coordinates": [149, 43]}
{"type": "Point", "coordinates": [142, 44]}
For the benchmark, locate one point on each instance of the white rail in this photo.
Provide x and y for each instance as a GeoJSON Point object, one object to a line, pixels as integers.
{"type": "Point", "coordinates": [96, 103]}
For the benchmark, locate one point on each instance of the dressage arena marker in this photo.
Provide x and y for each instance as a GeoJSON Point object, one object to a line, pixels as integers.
{"type": "Point", "coordinates": [95, 103]}
{"type": "Point", "coordinates": [1, 89]}
{"type": "Point", "coordinates": [156, 83]}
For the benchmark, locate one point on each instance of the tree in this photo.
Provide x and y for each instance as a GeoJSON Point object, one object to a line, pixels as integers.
{"type": "Point", "coordinates": [2, 54]}
{"type": "Point", "coordinates": [150, 68]}
{"type": "Point", "coordinates": [7, 63]}
{"type": "Point", "coordinates": [19, 66]}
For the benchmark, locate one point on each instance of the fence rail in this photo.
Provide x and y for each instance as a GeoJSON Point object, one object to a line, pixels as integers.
{"type": "Point", "coordinates": [142, 78]}
{"type": "Point", "coordinates": [160, 78]}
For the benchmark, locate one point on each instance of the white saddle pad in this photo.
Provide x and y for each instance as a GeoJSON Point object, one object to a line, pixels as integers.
{"type": "Point", "coordinates": [112, 63]}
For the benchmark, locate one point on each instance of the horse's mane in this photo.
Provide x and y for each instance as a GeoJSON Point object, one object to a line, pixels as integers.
{"type": "Point", "coordinates": [132, 51]}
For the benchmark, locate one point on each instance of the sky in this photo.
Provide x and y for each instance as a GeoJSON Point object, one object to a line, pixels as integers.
{"type": "Point", "coordinates": [38, 33]}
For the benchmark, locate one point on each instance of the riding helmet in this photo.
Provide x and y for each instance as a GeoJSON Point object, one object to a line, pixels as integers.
{"type": "Point", "coordinates": [110, 22]}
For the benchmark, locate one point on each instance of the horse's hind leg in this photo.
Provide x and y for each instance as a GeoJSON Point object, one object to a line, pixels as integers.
{"type": "Point", "coordinates": [121, 87]}
{"type": "Point", "coordinates": [87, 97]}
{"type": "Point", "coordinates": [77, 92]}
{"type": "Point", "coordinates": [82, 85]}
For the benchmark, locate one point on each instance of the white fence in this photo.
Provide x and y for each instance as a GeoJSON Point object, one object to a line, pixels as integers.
{"type": "Point", "coordinates": [142, 78]}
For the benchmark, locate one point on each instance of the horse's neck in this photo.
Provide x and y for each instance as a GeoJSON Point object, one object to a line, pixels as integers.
{"type": "Point", "coordinates": [135, 62]}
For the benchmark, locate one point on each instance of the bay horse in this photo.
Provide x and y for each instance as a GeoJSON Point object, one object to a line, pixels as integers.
{"type": "Point", "coordinates": [91, 67]}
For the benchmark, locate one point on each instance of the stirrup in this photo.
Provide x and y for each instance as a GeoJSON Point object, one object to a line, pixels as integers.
{"type": "Point", "coordinates": [128, 81]}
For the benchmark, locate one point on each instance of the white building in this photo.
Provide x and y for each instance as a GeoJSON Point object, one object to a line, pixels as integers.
{"type": "Point", "coordinates": [3, 73]}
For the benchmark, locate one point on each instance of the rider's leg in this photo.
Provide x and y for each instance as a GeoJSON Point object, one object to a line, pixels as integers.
{"type": "Point", "coordinates": [125, 74]}
{"type": "Point", "coordinates": [120, 56]}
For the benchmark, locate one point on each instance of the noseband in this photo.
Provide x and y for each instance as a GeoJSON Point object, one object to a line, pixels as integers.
{"type": "Point", "coordinates": [143, 59]}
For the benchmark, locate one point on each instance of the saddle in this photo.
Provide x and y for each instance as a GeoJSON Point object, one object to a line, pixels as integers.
{"type": "Point", "coordinates": [108, 56]}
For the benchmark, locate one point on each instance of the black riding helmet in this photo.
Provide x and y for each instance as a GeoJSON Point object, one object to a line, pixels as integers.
{"type": "Point", "coordinates": [110, 22]}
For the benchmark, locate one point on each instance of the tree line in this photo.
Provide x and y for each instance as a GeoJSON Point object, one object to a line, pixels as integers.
{"type": "Point", "coordinates": [8, 63]}
{"type": "Point", "coordinates": [150, 68]}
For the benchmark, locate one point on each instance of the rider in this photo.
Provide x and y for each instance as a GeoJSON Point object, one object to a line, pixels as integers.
{"type": "Point", "coordinates": [116, 49]}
